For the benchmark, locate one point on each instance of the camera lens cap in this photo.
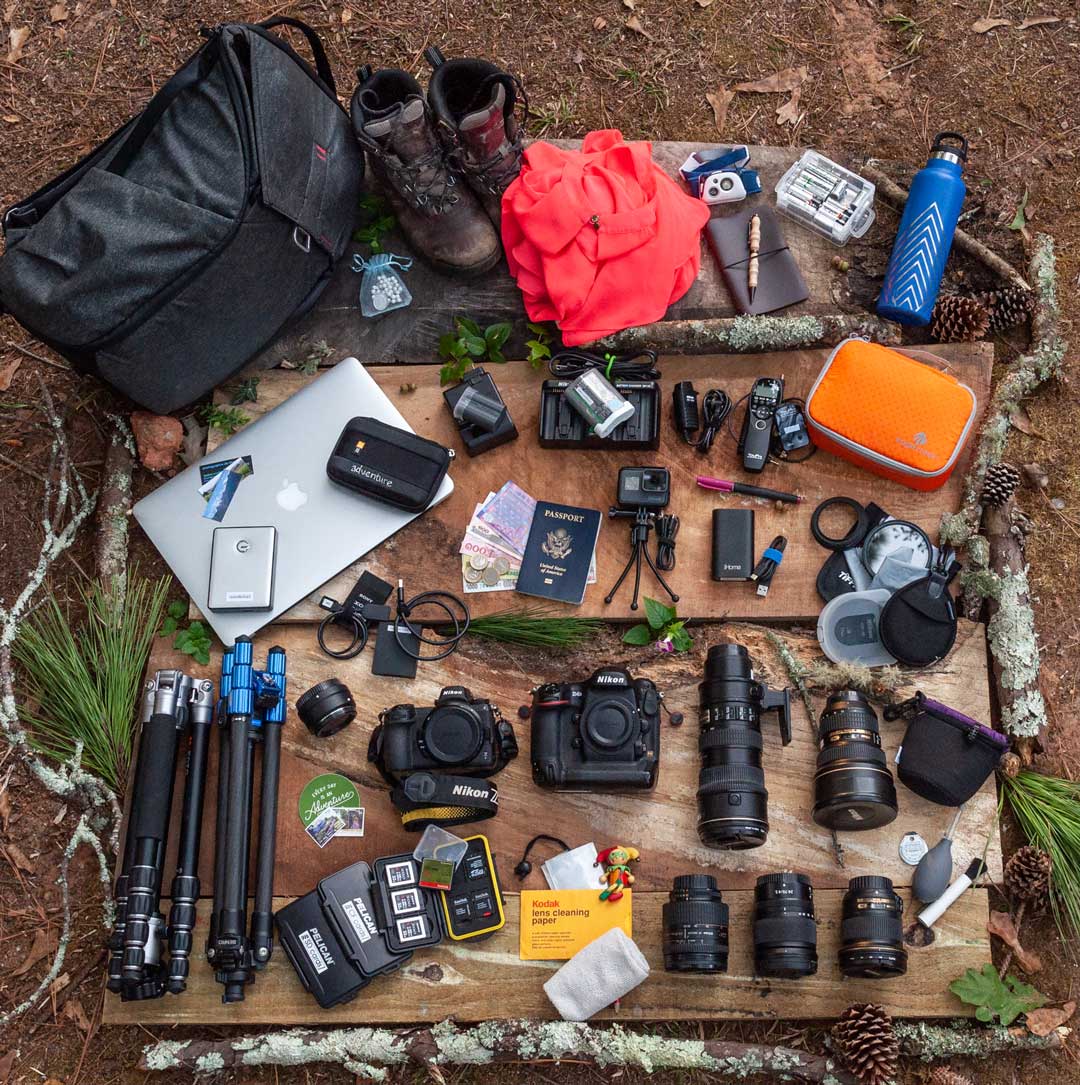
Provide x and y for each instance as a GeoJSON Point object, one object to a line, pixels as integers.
{"type": "Point", "coordinates": [452, 734]}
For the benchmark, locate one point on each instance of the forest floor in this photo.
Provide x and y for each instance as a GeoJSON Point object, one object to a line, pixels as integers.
{"type": "Point", "coordinates": [880, 79]}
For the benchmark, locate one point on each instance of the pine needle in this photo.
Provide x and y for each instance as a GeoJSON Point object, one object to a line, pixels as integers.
{"type": "Point", "coordinates": [84, 686]}
{"type": "Point", "coordinates": [1048, 811]}
{"type": "Point", "coordinates": [536, 626]}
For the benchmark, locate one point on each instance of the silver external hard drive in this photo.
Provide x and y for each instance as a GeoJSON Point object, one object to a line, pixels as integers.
{"type": "Point", "coordinates": [242, 568]}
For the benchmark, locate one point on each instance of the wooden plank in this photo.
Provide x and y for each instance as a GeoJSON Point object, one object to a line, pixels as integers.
{"type": "Point", "coordinates": [488, 981]}
{"type": "Point", "coordinates": [661, 823]}
{"type": "Point", "coordinates": [410, 335]}
{"type": "Point", "coordinates": [426, 552]}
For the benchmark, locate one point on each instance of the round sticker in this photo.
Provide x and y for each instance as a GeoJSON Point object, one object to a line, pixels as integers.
{"type": "Point", "coordinates": [329, 807]}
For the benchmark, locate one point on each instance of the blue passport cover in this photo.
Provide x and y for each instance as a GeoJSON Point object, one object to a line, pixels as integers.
{"type": "Point", "coordinates": [558, 552]}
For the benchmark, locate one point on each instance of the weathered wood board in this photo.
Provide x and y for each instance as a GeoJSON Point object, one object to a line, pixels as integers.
{"type": "Point", "coordinates": [662, 823]}
{"type": "Point", "coordinates": [409, 335]}
{"type": "Point", "coordinates": [488, 981]}
{"type": "Point", "coordinates": [425, 553]}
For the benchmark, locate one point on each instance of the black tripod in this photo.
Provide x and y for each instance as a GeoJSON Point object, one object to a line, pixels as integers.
{"type": "Point", "coordinates": [644, 520]}
{"type": "Point", "coordinates": [172, 704]}
{"type": "Point", "coordinates": [251, 712]}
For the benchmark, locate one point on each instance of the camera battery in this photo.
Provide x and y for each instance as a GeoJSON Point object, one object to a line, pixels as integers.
{"type": "Point", "coordinates": [316, 953]}
{"type": "Point", "coordinates": [348, 899]}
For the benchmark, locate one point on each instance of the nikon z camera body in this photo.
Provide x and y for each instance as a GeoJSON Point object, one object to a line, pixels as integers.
{"type": "Point", "coordinates": [600, 735]}
{"type": "Point", "coordinates": [459, 734]}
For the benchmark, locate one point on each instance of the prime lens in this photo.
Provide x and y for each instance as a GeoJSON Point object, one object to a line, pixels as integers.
{"type": "Point", "coordinates": [732, 800]}
{"type": "Point", "coordinates": [695, 918]}
{"type": "Point", "coordinates": [871, 930]}
{"type": "Point", "coordinates": [853, 787]}
{"type": "Point", "coordinates": [326, 708]}
{"type": "Point", "coordinates": [785, 933]}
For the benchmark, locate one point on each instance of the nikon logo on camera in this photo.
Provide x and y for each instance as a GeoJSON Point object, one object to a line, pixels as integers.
{"type": "Point", "coordinates": [370, 475]}
{"type": "Point", "coordinates": [609, 680]}
{"type": "Point", "coordinates": [465, 791]}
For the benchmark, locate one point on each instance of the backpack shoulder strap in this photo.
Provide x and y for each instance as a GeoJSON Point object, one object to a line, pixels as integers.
{"type": "Point", "coordinates": [322, 63]}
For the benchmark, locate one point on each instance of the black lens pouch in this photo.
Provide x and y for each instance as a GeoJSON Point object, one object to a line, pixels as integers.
{"type": "Point", "coordinates": [918, 624]}
{"type": "Point", "coordinates": [945, 756]}
{"type": "Point", "coordinates": [388, 464]}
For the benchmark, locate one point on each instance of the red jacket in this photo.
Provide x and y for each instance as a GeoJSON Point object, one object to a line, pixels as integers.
{"type": "Point", "coordinates": [599, 239]}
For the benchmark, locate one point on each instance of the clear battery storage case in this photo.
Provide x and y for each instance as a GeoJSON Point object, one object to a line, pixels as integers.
{"type": "Point", "coordinates": [826, 197]}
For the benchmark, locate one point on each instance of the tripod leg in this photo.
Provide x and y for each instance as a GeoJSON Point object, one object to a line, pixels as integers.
{"type": "Point", "coordinates": [622, 576]}
{"type": "Point", "coordinates": [659, 576]}
{"type": "Point", "coordinates": [219, 838]}
{"type": "Point", "coordinates": [637, 575]}
{"type": "Point", "coordinates": [262, 910]}
{"type": "Point", "coordinates": [185, 885]}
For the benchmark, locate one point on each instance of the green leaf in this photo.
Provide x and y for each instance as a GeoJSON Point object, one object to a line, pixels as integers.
{"type": "Point", "coordinates": [638, 634]}
{"type": "Point", "coordinates": [497, 334]}
{"type": "Point", "coordinates": [1005, 999]}
{"type": "Point", "coordinates": [447, 342]}
{"type": "Point", "coordinates": [177, 609]}
{"type": "Point", "coordinates": [680, 639]}
{"type": "Point", "coordinates": [469, 327]}
{"type": "Point", "coordinates": [168, 627]}
{"type": "Point", "coordinates": [657, 614]}
{"type": "Point", "coordinates": [496, 356]}
{"type": "Point", "coordinates": [1020, 219]}
{"type": "Point", "coordinates": [475, 345]}
{"type": "Point", "coordinates": [541, 333]}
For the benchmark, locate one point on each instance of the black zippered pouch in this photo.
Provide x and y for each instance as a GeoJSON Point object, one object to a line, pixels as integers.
{"type": "Point", "coordinates": [388, 464]}
{"type": "Point", "coordinates": [946, 756]}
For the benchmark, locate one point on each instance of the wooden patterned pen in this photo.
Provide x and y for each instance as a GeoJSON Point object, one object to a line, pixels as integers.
{"type": "Point", "coordinates": [753, 245]}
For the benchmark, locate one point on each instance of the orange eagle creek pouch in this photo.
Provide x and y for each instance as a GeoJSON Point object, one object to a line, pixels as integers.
{"type": "Point", "coordinates": [898, 417]}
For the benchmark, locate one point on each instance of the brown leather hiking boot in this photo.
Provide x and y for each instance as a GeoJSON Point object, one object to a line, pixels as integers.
{"type": "Point", "coordinates": [473, 104]}
{"type": "Point", "coordinates": [441, 217]}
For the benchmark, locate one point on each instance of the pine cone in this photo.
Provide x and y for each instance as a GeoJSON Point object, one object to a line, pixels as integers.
{"type": "Point", "coordinates": [942, 1075]}
{"type": "Point", "coordinates": [865, 1043]}
{"type": "Point", "coordinates": [958, 319]}
{"type": "Point", "coordinates": [1027, 874]}
{"type": "Point", "coordinates": [1007, 307]}
{"type": "Point", "coordinates": [1000, 482]}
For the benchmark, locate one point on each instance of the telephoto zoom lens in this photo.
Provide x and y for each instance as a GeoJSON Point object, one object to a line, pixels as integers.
{"type": "Point", "coordinates": [785, 934]}
{"type": "Point", "coordinates": [732, 800]}
{"type": "Point", "coordinates": [695, 926]}
{"type": "Point", "coordinates": [872, 930]}
{"type": "Point", "coordinates": [853, 787]}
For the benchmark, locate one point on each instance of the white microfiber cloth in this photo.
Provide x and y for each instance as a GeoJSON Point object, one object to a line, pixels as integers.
{"type": "Point", "coordinates": [596, 976]}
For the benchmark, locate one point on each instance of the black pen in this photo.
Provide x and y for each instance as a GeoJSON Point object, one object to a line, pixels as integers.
{"type": "Point", "coordinates": [745, 488]}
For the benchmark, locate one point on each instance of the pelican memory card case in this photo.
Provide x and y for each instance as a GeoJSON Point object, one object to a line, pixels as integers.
{"type": "Point", "coordinates": [366, 921]}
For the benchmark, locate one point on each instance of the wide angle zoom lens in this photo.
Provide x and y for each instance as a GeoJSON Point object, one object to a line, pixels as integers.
{"type": "Point", "coordinates": [785, 931]}
{"type": "Point", "coordinates": [872, 930]}
{"type": "Point", "coordinates": [853, 787]}
{"type": "Point", "coordinates": [695, 936]}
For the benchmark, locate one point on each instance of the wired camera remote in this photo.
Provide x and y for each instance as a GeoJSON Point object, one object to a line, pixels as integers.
{"type": "Point", "coordinates": [765, 397]}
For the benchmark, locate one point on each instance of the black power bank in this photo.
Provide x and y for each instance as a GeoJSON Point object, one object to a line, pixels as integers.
{"type": "Point", "coordinates": [732, 544]}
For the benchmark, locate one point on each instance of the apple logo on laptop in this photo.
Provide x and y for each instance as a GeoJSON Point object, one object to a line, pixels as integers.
{"type": "Point", "coordinates": [290, 497]}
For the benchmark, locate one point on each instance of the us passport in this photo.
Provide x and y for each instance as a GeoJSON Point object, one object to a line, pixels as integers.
{"type": "Point", "coordinates": [558, 552]}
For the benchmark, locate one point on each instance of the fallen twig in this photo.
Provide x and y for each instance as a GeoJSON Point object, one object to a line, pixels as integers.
{"type": "Point", "coordinates": [114, 504]}
{"type": "Point", "coordinates": [962, 240]}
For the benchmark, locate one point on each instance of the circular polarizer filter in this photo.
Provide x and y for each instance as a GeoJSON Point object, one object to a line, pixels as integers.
{"type": "Point", "coordinates": [892, 537]}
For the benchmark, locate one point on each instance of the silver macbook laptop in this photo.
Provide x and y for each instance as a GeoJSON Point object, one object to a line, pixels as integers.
{"type": "Point", "coordinates": [280, 464]}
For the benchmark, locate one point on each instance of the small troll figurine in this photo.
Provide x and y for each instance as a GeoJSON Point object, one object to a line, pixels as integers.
{"type": "Point", "coordinates": [616, 862]}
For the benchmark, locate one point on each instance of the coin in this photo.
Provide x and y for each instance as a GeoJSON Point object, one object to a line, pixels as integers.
{"type": "Point", "coordinates": [491, 577]}
{"type": "Point", "coordinates": [912, 848]}
{"type": "Point", "coordinates": [473, 576]}
{"type": "Point", "coordinates": [478, 561]}
{"type": "Point", "coordinates": [502, 566]}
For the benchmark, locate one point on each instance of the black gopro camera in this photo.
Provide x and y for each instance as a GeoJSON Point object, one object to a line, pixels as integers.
{"type": "Point", "coordinates": [599, 735]}
{"type": "Point", "coordinates": [644, 487]}
{"type": "Point", "coordinates": [462, 734]}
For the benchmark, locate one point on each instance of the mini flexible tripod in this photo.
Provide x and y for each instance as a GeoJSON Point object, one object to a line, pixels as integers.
{"type": "Point", "coordinates": [644, 520]}
{"type": "Point", "coordinates": [251, 711]}
{"type": "Point", "coordinates": [173, 703]}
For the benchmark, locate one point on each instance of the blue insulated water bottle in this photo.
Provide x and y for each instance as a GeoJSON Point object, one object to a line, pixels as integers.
{"type": "Point", "coordinates": [925, 234]}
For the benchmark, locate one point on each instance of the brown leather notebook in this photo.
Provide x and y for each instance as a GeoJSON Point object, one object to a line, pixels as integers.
{"type": "Point", "coordinates": [779, 282]}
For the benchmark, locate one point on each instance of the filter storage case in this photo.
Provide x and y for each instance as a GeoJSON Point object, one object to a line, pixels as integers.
{"type": "Point", "coordinates": [893, 415]}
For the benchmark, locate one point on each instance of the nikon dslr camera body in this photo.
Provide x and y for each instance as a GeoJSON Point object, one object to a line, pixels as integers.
{"type": "Point", "coordinates": [599, 735]}
{"type": "Point", "coordinates": [459, 733]}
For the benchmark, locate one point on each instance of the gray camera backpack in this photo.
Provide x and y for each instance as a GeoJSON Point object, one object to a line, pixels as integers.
{"type": "Point", "coordinates": [187, 241]}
